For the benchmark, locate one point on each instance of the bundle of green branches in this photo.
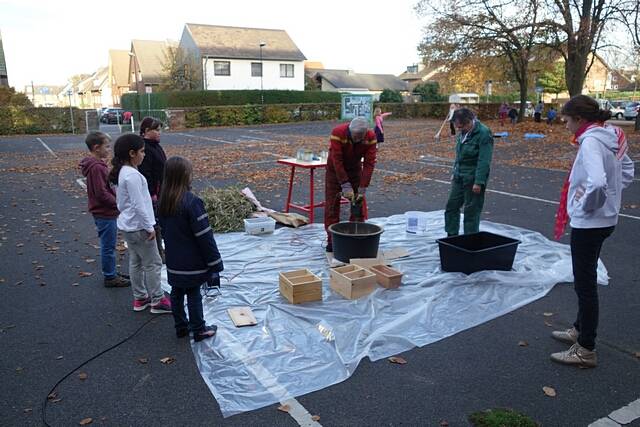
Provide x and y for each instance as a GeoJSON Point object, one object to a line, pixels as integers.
{"type": "Point", "coordinates": [227, 208]}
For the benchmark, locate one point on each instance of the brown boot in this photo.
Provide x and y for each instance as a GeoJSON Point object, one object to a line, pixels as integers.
{"type": "Point", "coordinates": [117, 282]}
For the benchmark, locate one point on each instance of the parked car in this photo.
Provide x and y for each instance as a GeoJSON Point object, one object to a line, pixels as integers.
{"type": "Point", "coordinates": [112, 116]}
{"type": "Point", "coordinates": [631, 110]}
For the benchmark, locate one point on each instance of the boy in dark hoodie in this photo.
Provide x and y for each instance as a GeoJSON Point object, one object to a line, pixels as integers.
{"type": "Point", "coordinates": [102, 205]}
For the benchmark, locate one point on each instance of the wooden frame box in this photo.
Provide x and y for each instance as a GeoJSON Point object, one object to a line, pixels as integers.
{"type": "Point", "coordinates": [300, 286]}
{"type": "Point", "coordinates": [387, 277]}
{"type": "Point", "coordinates": [352, 281]}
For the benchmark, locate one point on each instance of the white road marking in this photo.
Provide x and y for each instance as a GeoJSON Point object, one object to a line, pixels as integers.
{"type": "Point", "coordinates": [205, 138]}
{"type": "Point", "coordinates": [504, 193]}
{"type": "Point", "coordinates": [47, 147]}
{"type": "Point", "coordinates": [81, 182]}
{"type": "Point", "coordinates": [268, 381]}
{"type": "Point", "coordinates": [623, 416]}
{"type": "Point", "coordinates": [257, 139]}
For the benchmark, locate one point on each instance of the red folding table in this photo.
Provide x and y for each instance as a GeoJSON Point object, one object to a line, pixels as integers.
{"type": "Point", "coordinates": [312, 166]}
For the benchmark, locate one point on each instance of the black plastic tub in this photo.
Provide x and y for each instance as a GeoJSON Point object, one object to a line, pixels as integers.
{"type": "Point", "coordinates": [355, 240]}
{"type": "Point", "coordinates": [476, 252]}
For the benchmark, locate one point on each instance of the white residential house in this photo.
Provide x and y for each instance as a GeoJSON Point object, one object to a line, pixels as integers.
{"type": "Point", "coordinates": [347, 81]}
{"type": "Point", "coordinates": [244, 58]}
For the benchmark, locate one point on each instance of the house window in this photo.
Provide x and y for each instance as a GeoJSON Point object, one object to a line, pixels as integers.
{"type": "Point", "coordinates": [286, 70]}
{"type": "Point", "coordinates": [221, 68]}
{"type": "Point", "coordinates": [256, 69]}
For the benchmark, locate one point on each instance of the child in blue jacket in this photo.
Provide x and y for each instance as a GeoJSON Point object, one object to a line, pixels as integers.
{"type": "Point", "coordinates": [191, 253]}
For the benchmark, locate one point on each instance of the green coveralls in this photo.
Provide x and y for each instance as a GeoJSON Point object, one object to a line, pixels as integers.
{"type": "Point", "coordinates": [473, 160]}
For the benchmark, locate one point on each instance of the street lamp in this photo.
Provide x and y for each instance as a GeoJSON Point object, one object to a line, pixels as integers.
{"type": "Point", "coordinates": [69, 93]}
{"type": "Point", "coordinates": [262, 44]}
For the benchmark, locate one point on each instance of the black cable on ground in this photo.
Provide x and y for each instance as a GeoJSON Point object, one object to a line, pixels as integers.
{"type": "Point", "coordinates": [46, 399]}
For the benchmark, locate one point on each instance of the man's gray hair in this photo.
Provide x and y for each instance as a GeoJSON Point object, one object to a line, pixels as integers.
{"type": "Point", "coordinates": [359, 125]}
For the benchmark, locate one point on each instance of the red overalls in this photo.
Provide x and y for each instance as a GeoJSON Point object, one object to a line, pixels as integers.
{"type": "Point", "coordinates": [345, 164]}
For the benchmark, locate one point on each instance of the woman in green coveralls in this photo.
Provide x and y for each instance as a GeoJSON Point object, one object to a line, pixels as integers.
{"type": "Point", "coordinates": [474, 147]}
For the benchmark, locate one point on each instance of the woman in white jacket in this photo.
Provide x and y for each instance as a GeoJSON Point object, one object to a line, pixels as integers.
{"type": "Point", "coordinates": [591, 198]}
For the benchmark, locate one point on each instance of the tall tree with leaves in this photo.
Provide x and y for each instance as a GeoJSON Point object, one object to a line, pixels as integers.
{"type": "Point", "coordinates": [181, 70]}
{"type": "Point", "coordinates": [491, 28]}
{"type": "Point", "coordinates": [553, 80]}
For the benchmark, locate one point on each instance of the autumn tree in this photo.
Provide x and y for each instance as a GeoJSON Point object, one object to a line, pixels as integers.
{"type": "Point", "coordinates": [181, 70]}
{"type": "Point", "coordinates": [459, 30]}
{"type": "Point", "coordinates": [9, 97]}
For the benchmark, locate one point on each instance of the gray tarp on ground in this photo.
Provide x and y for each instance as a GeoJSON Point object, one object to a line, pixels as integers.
{"type": "Point", "coordinates": [297, 349]}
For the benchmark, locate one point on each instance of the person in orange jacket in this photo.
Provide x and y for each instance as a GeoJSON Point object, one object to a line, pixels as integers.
{"type": "Point", "coordinates": [346, 175]}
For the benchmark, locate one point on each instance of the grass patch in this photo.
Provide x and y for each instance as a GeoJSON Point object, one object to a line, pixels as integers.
{"type": "Point", "coordinates": [501, 418]}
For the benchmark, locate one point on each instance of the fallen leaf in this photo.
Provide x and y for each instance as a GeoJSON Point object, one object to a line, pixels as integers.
{"type": "Point", "coordinates": [549, 324]}
{"type": "Point", "coordinates": [397, 359]}
{"type": "Point", "coordinates": [315, 418]}
{"type": "Point", "coordinates": [284, 408]}
{"type": "Point", "coordinates": [444, 423]}
{"type": "Point", "coordinates": [549, 391]}
{"type": "Point", "coordinates": [90, 260]}
{"type": "Point", "coordinates": [28, 410]}
{"type": "Point", "coordinates": [83, 376]}
{"type": "Point", "coordinates": [523, 343]}
{"type": "Point", "coordinates": [143, 360]}
{"type": "Point", "coordinates": [75, 284]}
{"type": "Point", "coordinates": [637, 354]}
{"type": "Point", "coordinates": [18, 283]}
{"type": "Point", "coordinates": [59, 357]}
{"type": "Point", "coordinates": [85, 421]}
{"type": "Point", "coordinates": [19, 245]}
{"type": "Point", "coordinates": [547, 314]}
{"type": "Point", "coordinates": [52, 395]}
{"type": "Point", "coordinates": [84, 274]}
{"type": "Point", "coordinates": [168, 360]}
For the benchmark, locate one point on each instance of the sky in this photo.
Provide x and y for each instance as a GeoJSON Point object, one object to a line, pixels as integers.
{"type": "Point", "coordinates": [49, 41]}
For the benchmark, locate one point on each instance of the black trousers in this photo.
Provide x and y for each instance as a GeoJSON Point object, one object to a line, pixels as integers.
{"type": "Point", "coordinates": [586, 244]}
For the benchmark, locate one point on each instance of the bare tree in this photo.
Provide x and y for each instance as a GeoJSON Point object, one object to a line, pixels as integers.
{"type": "Point", "coordinates": [488, 28]}
{"type": "Point", "coordinates": [575, 30]}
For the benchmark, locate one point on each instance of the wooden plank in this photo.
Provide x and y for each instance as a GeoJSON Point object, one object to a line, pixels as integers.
{"type": "Point", "coordinates": [242, 316]}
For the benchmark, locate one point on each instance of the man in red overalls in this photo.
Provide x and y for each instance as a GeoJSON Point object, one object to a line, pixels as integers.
{"type": "Point", "coordinates": [346, 176]}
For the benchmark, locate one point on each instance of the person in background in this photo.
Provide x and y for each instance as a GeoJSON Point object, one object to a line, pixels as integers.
{"type": "Point", "coordinates": [452, 128]}
{"type": "Point", "coordinates": [345, 175]}
{"type": "Point", "coordinates": [126, 117]}
{"type": "Point", "coordinates": [152, 168]}
{"type": "Point", "coordinates": [551, 116]}
{"type": "Point", "coordinates": [537, 112]}
{"type": "Point", "coordinates": [503, 112]}
{"type": "Point", "coordinates": [136, 221]}
{"type": "Point", "coordinates": [192, 255]}
{"type": "Point", "coordinates": [513, 115]}
{"type": "Point", "coordinates": [590, 201]}
{"type": "Point", "coordinates": [474, 149]}
{"type": "Point", "coordinates": [102, 205]}
{"type": "Point", "coordinates": [379, 116]}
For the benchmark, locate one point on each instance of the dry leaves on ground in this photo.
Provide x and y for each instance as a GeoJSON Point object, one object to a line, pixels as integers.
{"type": "Point", "coordinates": [85, 421]}
{"type": "Point", "coordinates": [85, 274]}
{"type": "Point", "coordinates": [549, 391]}
{"type": "Point", "coordinates": [143, 360]}
{"type": "Point", "coordinates": [523, 343]}
{"type": "Point", "coordinates": [315, 417]}
{"type": "Point", "coordinates": [168, 360]}
{"type": "Point", "coordinates": [83, 376]}
{"type": "Point", "coordinates": [547, 314]}
{"type": "Point", "coordinates": [284, 408]}
{"type": "Point", "coordinates": [397, 359]}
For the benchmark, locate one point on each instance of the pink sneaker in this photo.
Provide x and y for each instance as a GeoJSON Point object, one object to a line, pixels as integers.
{"type": "Point", "coordinates": [141, 304]}
{"type": "Point", "coordinates": [162, 307]}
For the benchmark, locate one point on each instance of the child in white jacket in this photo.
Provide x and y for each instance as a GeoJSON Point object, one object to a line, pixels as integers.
{"type": "Point", "coordinates": [591, 199]}
{"type": "Point", "coordinates": [136, 221]}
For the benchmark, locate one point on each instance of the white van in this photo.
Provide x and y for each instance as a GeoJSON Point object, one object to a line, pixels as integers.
{"type": "Point", "coordinates": [464, 98]}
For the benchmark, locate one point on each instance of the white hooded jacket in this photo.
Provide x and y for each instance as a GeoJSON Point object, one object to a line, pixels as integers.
{"type": "Point", "coordinates": [597, 179]}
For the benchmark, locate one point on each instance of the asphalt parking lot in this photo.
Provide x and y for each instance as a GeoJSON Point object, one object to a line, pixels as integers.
{"type": "Point", "coordinates": [53, 316]}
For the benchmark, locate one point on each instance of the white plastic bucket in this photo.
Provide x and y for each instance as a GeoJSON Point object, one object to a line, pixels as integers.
{"type": "Point", "coordinates": [416, 222]}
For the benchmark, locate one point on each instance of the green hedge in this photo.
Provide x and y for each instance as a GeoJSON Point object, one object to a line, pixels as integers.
{"type": "Point", "coordinates": [255, 114]}
{"type": "Point", "coordinates": [32, 120]}
{"type": "Point", "coordinates": [207, 98]}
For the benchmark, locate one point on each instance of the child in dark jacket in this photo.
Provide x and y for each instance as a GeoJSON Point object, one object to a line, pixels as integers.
{"type": "Point", "coordinates": [152, 167]}
{"type": "Point", "coordinates": [191, 252]}
{"type": "Point", "coordinates": [102, 205]}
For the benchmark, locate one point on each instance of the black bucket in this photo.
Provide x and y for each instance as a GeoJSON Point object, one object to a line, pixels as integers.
{"type": "Point", "coordinates": [355, 240]}
{"type": "Point", "coordinates": [476, 252]}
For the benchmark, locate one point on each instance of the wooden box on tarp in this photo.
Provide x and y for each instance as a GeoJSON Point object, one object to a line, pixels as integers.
{"type": "Point", "coordinates": [352, 281]}
{"type": "Point", "coordinates": [300, 286]}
